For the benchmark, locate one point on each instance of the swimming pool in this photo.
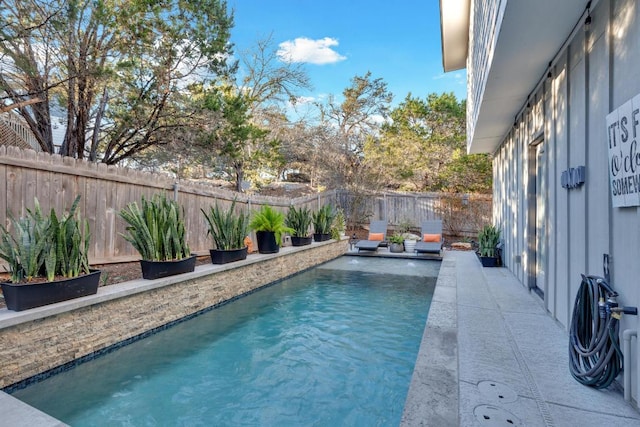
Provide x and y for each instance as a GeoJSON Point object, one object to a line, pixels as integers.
{"type": "Point", "coordinates": [332, 346]}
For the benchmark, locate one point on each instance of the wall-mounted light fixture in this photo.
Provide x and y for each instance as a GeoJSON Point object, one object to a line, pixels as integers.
{"type": "Point", "coordinates": [573, 177]}
{"type": "Point", "coordinates": [587, 20]}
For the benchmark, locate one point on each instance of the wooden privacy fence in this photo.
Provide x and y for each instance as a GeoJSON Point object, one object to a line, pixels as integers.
{"type": "Point", "coordinates": [463, 215]}
{"type": "Point", "coordinates": [105, 190]}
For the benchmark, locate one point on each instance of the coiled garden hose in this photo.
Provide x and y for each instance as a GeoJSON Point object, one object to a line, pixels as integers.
{"type": "Point", "coordinates": [595, 358]}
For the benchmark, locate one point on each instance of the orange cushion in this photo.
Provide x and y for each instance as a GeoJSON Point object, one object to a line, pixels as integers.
{"type": "Point", "coordinates": [432, 238]}
{"type": "Point", "coordinates": [376, 236]}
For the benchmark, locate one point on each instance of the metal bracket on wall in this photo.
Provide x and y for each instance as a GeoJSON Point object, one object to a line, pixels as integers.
{"type": "Point", "coordinates": [605, 268]}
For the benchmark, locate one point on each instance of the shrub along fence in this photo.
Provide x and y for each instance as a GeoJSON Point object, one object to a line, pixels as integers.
{"type": "Point", "coordinates": [105, 190]}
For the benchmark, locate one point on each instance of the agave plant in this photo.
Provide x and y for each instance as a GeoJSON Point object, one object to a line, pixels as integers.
{"type": "Point", "coordinates": [323, 219]}
{"type": "Point", "coordinates": [268, 219]}
{"type": "Point", "coordinates": [299, 219]}
{"type": "Point", "coordinates": [156, 230]}
{"type": "Point", "coordinates": [46, 246]}
{"type": "Point", "coordinates": [227, 228]}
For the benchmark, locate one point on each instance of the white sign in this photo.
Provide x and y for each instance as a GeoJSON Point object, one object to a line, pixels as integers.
{"type": "Point", "coordinates": [623, 132]}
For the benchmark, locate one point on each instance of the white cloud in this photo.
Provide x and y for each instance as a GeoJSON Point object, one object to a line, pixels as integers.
{"type": "Point", "coordinates": [302, 100]}
{"type": "Point", "coordinates": [303, 49]}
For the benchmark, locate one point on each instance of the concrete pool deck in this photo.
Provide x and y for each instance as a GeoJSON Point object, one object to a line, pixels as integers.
{"type": "Point", "coordinates": [486, 337]}
{"type": "Point", "coordinates": [492, 356]}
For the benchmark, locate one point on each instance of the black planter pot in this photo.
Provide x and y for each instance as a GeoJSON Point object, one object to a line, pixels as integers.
{"type": "Point", "coordinates": [488, 261]}
{"type": "Point", "coordinates": [300, 241]}
{"type": "Point", "coordinates": [267, 242]}
{"type": "Point", "coordinates": [219, 256]}
{"type": "Point", "coordinates": [321, 237]}
{"type": "Point", "coordinates": [21, 296]}
{"type": "Point", "coordinates": [157, 269]}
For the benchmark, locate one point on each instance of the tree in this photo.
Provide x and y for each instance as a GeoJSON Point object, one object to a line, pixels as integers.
{"type": "Point", "coordinates": [236, 140]}
{"type": "Point", "coordinates": [345, 127]}
{"type": "Point", "coordinates": [423, 148]}
{"type": "Point", "coordinates": [267, 80]}
{"type": "Point", "coordinates": [117, 67]}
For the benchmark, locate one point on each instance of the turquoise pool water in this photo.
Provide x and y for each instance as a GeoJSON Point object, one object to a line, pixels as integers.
{"type": "Point", "coordinates": [335, 345]}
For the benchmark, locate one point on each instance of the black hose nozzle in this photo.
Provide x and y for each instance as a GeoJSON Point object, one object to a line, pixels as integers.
{"type": "Point", "coordinates": [626, 310]}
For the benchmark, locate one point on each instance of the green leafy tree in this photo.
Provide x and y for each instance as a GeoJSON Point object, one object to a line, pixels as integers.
{"type": "Point", "coordinates": [116, 67]}
{"type": "Point", "coordinates": [238, 142]}
{"type": "Point", "coordinates": [423, 148]}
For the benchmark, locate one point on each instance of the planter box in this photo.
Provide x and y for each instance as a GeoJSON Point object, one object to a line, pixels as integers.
{"type": "Point", "coordinates": [219, 256]}
{"type": "Point", "coordinates": [300, 241]}
{"type": "Point", "coordinates": [157, 269]}
{"type": "Point", "coordinates": [488, 261]}
{"type": "Point", "coordinates": [23, 296]}
{"type": "Point", "coordinates": [321, 237]}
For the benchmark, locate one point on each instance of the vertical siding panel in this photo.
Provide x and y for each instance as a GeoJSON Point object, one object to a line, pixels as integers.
{"type": "Point", "coordinates": [562, 211]}
{"type": "Point", "coordinates": [576, 197]}
{"type": "Point", "coordinates": [625, 222]}
{"type": "Point", "coordinates": [597, 178]}
{"type": "Point", "coordinates": [551, 240]}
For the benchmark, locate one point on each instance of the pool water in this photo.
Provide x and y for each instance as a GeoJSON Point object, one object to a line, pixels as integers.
{"type": "Point", "coordinates": [335, 345]}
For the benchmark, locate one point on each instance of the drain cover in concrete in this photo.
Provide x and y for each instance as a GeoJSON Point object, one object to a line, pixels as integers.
{"type": "Point", "coordinates": [495, 417]}
{"type": "Point", "coordinates": [497, 392]}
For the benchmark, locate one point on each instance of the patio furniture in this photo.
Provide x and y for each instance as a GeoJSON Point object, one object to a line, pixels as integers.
{"type": "Point", "coordinates": [377, 236]}
{"type": "Point", "coordinates": [432, 239]}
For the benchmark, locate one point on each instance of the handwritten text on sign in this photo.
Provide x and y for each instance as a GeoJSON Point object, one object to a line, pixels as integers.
{"type": "Point", "coordinates": [623, 129]}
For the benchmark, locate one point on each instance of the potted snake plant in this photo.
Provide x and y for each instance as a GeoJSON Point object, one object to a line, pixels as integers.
{"type": "Point", "coordinates": [322, 221]}
{"type": "Point", "coordinates": [299, 219]}
{"type": "Point", "coordinates": [156, 230]}
{"type": "Point", "coordinates": [47, 257]}
{"type": "Point", "coordinates": [228, 230]}
{"type": "Point", "coordinates": [488, 240]}
{"type": "Point", "coordinates": [269, 226]}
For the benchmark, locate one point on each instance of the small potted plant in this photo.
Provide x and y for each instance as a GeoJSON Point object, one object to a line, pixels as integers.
{"type": "Point", "coordinates": [488, 240]}
{"type": "Point", "coordinates": [158, 233]}
{"type": "Point", "coordinates": [47, 257]}
{"type": "Point", "coordinates": [322, 220]}
{"type": "Point", "coordinates": [299, 219]}
{"type": "Point", "coordinates": [269, 227]}
{"type": "Point", "coordinates": [410, 241]}
{"type": "Point", "coordinates": [228, 231]}
{"type": "Point", "coordinates": [396, 243]}
{"type": "Point", "coordinates": [339, 222]}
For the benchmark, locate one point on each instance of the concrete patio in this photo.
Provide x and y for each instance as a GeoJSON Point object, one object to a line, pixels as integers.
{"type": "Point", "coordinates": [492, 356]}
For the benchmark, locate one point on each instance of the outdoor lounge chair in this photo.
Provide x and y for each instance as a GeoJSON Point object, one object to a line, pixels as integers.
{"type": "Point", "coordinates": [377, 236]}
{"type": "Point", "coordinates": [431, 237]}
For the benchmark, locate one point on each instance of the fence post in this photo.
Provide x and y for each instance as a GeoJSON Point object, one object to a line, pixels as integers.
{"type": "Point", "coordinates": [176, 186]}
{"type": "Point", "coordinates": [384, 204]}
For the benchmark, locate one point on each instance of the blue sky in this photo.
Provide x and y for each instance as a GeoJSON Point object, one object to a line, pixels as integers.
{"type": "Point", "coordinates": [339, 39]}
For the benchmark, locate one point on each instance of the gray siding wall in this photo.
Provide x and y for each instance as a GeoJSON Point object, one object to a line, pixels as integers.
{"type": "Point", "coordinates": [595, 74]}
